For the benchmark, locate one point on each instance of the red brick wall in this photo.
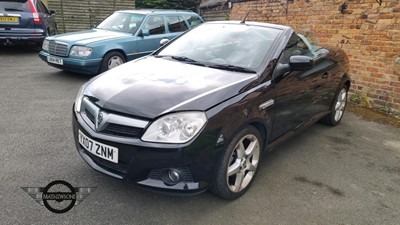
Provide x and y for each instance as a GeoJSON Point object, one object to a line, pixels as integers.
{"type": "Point", "coordinates": [368, 32]}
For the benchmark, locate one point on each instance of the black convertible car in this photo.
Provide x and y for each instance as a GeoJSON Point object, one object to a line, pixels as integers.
{"type": "Point", "coordinates": [200, 111]}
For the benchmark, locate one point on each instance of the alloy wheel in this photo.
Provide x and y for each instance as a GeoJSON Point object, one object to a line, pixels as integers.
{"type": "Point", "coordinates": [114, 62]}
{"type": "Point", "coordinates": [340, 104]}
{"type": "Point", "coordinates": [243, 163]}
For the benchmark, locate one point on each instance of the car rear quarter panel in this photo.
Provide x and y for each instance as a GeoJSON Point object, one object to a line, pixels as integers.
{"type": "Point", "coordinates": [341, 71]}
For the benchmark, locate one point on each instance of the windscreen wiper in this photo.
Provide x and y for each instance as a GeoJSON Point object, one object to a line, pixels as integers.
{"type": "Point", "coordinates": [182, 59]}
{"type": "Point", "coordinates": [232, 68]}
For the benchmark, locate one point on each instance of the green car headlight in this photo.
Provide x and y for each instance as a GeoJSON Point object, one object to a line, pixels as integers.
{"type": "Point", "coordinates": [80, 51]}
{"type": "Point", "coordinates": [45, 45]}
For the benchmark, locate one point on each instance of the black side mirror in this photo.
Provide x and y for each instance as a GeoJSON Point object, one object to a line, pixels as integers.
{"type": "Point", "coordinates": [301, 63]}
{"type": "Point", "coordinates": [144, 33]}
{"type": "Point", "coordinates": [281, 70]}
{"type": "Point", "coordinates": [52, 12]}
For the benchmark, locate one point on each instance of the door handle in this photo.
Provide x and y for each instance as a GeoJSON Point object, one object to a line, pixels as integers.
{"type": "Point", "coordinates": [325, 75]}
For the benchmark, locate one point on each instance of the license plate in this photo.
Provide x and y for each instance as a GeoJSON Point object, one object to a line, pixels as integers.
{"type": "Point", "coordinates": [7, 19]}
{"type": "Point", "coordinates": [98, 149]}
{"type": "Point", "coordinates": [55, 60]}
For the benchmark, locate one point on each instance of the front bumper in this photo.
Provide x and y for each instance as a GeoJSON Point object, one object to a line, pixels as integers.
{"type": "Point", "coordinates": [139, 161]}
{"type": "Point", "coordinates": [85, 66]}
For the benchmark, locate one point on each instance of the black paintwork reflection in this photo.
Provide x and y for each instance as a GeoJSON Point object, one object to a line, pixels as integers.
{"type": "Point", "coordinates": [300, 95]}
{"type": "Point", "coordinates": [153, 86]}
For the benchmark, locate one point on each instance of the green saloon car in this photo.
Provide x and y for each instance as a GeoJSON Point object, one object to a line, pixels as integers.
{"type": "Point", "coordinates": [123, 36]}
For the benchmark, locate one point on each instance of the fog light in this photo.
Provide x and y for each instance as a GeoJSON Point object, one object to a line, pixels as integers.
{"type": "Point", "coordinates": [173, 175]}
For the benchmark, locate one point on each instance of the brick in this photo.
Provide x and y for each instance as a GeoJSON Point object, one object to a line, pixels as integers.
{"type": "Point", "coordinates": [391, 55]}
{"type": "Point", "coordinates": [359, 37]}
{"type": "Point", "coordinates": [372, 48]}
{"type": "Point", "coordinates": [386, 88]}
{"type": "Point", "coordinates": [365, 42]}
{"type": "Point", "coordinates": [396, 100]}
{"type": "Point", "coordinates": [386, 16]}
{"type": "Point", "coordinates": [379, 102]}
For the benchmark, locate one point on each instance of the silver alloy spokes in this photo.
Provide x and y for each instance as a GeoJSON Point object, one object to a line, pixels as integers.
{"type": "Point", "coordinates": [243, 163]}
{"type": "Point", "coordinates": [340, 104]}
{"type": "Point", "coordinates": [114, 62]}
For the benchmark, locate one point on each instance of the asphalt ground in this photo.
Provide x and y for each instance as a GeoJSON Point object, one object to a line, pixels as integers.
{"type": "Point", "coordinates": [345, 175]}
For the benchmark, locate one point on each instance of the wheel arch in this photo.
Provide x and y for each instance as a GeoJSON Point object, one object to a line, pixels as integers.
{"type": "Point", "coordinates": [116, 50]}
{"type": "Point", "coordinates": [257, 123]}
{"type": "Point", "coordinates": [346, 80]}
{"type": "Point", "coordinates": [263, 131]}
{"type": "Point", "coordinates": [120, 51]}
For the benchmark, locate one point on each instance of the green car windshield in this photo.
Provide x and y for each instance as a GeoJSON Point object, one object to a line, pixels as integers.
{"type": "Point", "coordinates": [122, 22]}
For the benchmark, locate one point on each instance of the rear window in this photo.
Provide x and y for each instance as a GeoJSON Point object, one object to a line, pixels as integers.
{"type": "Point", "coordinates": [193, 20]}
{"type": "Point", "coordinates": [176, 24]}
{"type": "Point", "coordinates": [15, 6]}
{"type": "Point", "coordinates": [155, 25]}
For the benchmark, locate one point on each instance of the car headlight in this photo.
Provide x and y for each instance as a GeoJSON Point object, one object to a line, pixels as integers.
{"type": "Point", "coordinates": [175, 128]}
{"type": "Point", "coordinates": [78, 99]}
{"type": "Point", "coordinates": [45, 45]}
{"type": "Point", "coordinates": [80, 51]}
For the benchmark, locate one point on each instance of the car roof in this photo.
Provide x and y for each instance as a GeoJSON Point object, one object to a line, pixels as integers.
{"type": "Point", "coordinates": [252, 23]}
{"type": "Point", "coordinates": [157, 11]}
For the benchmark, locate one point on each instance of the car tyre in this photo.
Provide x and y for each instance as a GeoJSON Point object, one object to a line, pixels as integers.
{"type": "Point", "coordinates": [336, 115]}
{"type": "Point", "coordinates": [111, 60]}
{"type": "Point", "coordinates": [239, 164]}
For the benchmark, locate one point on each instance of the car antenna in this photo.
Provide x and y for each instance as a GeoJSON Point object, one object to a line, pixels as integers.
{"type": "Point", "coordinates": [245, 17]}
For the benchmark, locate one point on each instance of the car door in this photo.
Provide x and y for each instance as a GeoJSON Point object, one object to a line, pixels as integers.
{"type": "Point", "coordinates": [175, 25]}
{"type": "Point", "coordinates": [295, 92]}
{"type": "Point", "coordinates": [325, 70]}
{"type": "Point", "coordinates": [153, 30]}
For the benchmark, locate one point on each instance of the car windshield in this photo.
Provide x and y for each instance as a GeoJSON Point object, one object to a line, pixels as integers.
{"type": "Point", "coordinates": [122, 21]}
{"type": "Point", "coordinates": [238, 45]}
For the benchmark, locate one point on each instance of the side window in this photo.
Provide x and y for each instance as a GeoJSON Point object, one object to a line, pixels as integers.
{"type": "Point", "coordinates": [176, 24]}
{"type": "Point", "coordinates": [134, 22]}
{"type": "Point", "coordinates": [193, 20]}
{"type": "Point", "coordinates": [155, 25]}
{"type": "Point", "coordinates": [41, 7]}
{"type": "Point", "coordinates": [295, 46]}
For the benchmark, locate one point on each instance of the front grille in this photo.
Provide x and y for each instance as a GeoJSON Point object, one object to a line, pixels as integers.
{"type": "Point", "coordinates": [122, 130]}
{"type": "Point", "coordinates": [58, 48]}
{"type": "Point", "coordinates": [89, 115]}
{"type": "Point", "coordinates": [116, 129]}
